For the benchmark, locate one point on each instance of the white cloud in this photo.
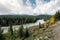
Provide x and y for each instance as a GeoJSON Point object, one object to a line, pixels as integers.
{"type": "Point", "coordinates": [17, 7]}
{"type": "Point", "coordinates": [48, 8]}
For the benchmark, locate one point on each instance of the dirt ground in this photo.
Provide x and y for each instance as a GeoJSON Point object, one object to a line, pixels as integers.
{"type": "Point", "coordinates": [56, 31]}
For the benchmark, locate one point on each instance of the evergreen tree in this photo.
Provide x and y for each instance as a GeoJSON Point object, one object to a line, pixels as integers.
{"type": "Point", "coordinates": [20, 31]}
{"type": "Point", "coordinates": [1, 35]}
{"type": "Point", "coordinates": [11, 32]}
{"type": "Point", "coordinates": [11, 29]}
{"type": "Point", "coordinates": [26, 33]}
{"type": "Point", "coordinates": [57, 15]}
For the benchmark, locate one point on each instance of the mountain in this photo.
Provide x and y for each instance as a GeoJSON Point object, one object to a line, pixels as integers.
{"type": "Point", "coordinates": [43, 15]}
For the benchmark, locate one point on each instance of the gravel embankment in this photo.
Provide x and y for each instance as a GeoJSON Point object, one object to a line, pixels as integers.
{"type": "Point", "coordinates": [56, 31]}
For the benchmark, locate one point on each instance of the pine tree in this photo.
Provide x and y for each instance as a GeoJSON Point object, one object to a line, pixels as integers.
{"type": "Point", "coordinates": [26, 33]}
{"type": "Point", "coordinates": [20, 31]}
{"type": "Point", "coordinates": [11, 33]}
{"type": "Point", "coordinates": [11, 30]}
{"type": "Point", "coordinates": [57, 15]}
{"type": "Point", "coordinates": [1, 35]}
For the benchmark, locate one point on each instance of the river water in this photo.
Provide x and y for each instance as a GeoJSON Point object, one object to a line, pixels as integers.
{"type": "Point", "coordinates": [24, 25]}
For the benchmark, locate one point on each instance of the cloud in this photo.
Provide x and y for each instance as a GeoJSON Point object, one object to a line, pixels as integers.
{"type": "Point", "coordinates": [4, 9]}
{"type": "Point", "coordinates": [46, 1]}
{"type": "Point", "coordinates": [30, 7]}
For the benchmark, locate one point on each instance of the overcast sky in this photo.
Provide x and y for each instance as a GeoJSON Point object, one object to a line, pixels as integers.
{"type": "Point", "coordinates": [31, 7]}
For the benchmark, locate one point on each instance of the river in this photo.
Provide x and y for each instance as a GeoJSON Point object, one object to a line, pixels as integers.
{"type": "Point", "coordinates": [24, 25]}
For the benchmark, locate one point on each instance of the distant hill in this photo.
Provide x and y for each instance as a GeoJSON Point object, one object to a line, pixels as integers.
{"type": "Point", "coordinates": [44, 15]}
{"type": "Point", "coordinates": [30, 16]}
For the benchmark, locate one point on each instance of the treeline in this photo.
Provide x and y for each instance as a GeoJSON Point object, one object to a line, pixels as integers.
{"type": "Point", "coordinates": [16, 20]}
{"type": "Point", "coordinates": [57, 15]}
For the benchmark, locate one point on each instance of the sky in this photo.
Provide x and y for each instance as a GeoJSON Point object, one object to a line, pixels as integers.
{"type": "Point", "coordinates": [29, 7]}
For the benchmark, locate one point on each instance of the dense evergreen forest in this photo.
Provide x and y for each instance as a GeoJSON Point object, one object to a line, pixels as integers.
{"type": "Point", "coordinates": [17, 19]}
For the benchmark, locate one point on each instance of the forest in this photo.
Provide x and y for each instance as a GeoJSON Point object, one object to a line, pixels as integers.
{"type": "Point", "coordinates": [16, 20]}
{"type": "Point", "coordinates": [19, 19]}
